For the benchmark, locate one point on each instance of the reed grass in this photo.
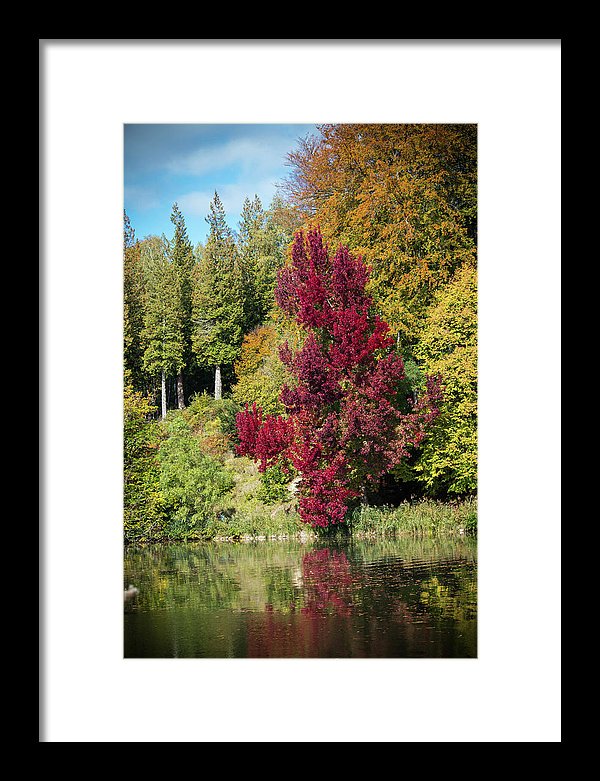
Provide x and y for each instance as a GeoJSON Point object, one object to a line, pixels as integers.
{"type": "Point", "coordinates": [424, 517]}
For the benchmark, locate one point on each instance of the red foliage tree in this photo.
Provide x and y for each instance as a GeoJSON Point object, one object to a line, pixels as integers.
{"type": "Point", "coordinates": [343, 428]}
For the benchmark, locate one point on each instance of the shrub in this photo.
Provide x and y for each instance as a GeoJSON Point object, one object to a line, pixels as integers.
{"type": "Point", "coordinates": [213, 422]}
{"type": "Point", "coordinates": [143, 503]}
{"type": "Point", "coordinates": [191, 481]}
{"type": "Point", "coordinates": [274, 485]}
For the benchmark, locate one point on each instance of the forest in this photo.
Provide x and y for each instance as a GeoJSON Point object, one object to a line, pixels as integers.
{"type": "Point", "coordinates": [316, 368]}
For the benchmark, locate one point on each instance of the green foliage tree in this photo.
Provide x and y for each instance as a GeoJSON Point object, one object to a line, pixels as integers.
{"type": "Point", "coordinates": [448, 346]}
{"type": "Point", "coordinates": [143, 504]}
{"type": "Point", "coordinates": [191, 481]}
{"type": "Point", "coordinates": [218, 298]}
{"type": "Point", "coordinates": [261, 253]}
{"type": "Point", "coordinates": [162, 336]}
{"type": "Point", "coordinates": [181, 255]}
{"type": "Point", "coordinates": [248, 229]}
{"type": "Point", "coordinates": [133, 307]}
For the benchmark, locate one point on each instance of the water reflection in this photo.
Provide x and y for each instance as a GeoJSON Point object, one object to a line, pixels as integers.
{"type": "Point", "coordinates": [390, 598]}
{"type": "Point", "coordinates": [328, 582]}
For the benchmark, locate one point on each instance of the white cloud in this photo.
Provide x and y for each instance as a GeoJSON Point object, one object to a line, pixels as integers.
{"type": "Point", "coordinates": [194, 204]}
{"type": "Point", "coordinates": [141, 197]}
{"type": "Point", "coordinates": [258, 154]}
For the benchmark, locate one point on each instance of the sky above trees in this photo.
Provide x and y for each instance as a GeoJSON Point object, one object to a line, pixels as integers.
{"type": "Point", "coordinates": [185, 164]}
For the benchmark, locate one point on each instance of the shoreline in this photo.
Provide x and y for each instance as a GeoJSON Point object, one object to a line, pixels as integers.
{"type": "Point", "coordinates": [421, 518]}
{"type": "Point", "coordinates": [304, 537]}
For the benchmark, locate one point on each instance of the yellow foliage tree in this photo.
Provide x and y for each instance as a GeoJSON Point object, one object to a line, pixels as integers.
{"type": "Point", "coordinates": [402, 196]}
{"type": "Point", "coordinates": [260, 374]}
{"type": "Point", "coordinates": [448, 346]}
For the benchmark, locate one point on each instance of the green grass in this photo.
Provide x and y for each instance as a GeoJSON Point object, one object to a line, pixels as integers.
{"type": "Point", "coordinates": [425, 517]}
{"type": "Point", "coordinates": [256, 525]}
{"type": "Point", "coordinates": [242, 513]}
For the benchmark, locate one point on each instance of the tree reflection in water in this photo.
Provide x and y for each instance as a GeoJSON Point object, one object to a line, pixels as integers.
{"type": "Point", "coordinates": [384, 609]}
{"type": "Point", "coordinates": [393, 598]}
{"type": "Point", "coordinates": [328, 583]}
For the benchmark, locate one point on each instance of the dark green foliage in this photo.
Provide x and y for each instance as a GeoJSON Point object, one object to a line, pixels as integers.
{"type": "Point", "coordinates": [128, 232]}
{"type": "Point", "coordinates": [218, 297]}
{"type": "Point", "coordinates": [181, 255]}
{"type": "Point", "coordinates": [133, 307]}
{"type": "Point", "coordinates": [261, 247]}
{"type": "Point", "coordinates": [162, 336]}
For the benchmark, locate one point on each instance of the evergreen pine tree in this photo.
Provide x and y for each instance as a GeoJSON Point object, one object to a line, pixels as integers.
{"type": "Point", "coordinates": [133, 307]}
{"type": "Point", "coordinates": [162, 336]}
{"type": "Point", "coordinates": [248, 228]}
{"type": "Point", "coordinates": [262, 252]}
{"type": "Point", "coordinates": [181, 255]}
{"type": "Point", "coordinates": [218, 298]}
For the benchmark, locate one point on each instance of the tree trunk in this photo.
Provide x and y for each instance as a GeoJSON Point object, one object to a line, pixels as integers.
{"type": "Point", "coordinates": [163, 388]}
{"type": "Point", "coordinates": [180, 399]}
{"type": "Point", "coordinates": [218, 387]}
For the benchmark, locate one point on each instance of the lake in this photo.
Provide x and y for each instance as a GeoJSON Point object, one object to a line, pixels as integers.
{"type": "Point", "coordinates": [397, 598]}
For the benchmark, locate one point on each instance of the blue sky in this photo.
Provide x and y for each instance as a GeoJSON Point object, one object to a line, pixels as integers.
{"type": "Point", "coordinates": [185, 164]}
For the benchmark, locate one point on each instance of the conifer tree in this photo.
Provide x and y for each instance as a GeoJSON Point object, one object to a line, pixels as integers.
{"type": "Point", "coordinates": [181, 255]}
{"type": "Point", "coordinates": [248, 228]}
{"type": "Point", "coordinates": [217, 298]}
{"type": "Point", "coordinates": [133, 306]}
{"type": "Point", "coordinates": [261, 252]}
{"type": "Point", "coordinates": [162, 336]}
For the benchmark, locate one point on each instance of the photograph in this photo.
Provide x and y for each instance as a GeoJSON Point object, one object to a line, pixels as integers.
{"type": "Point", "coordinates": [300, 390]}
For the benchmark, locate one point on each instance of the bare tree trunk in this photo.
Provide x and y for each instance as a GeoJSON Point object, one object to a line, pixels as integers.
{"type": "Point", "coordinates": [163, 388]}
{"type": "Point", "coordinates": [180, 398]}
{"type": "Point", "coordinates": [218, 387]}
